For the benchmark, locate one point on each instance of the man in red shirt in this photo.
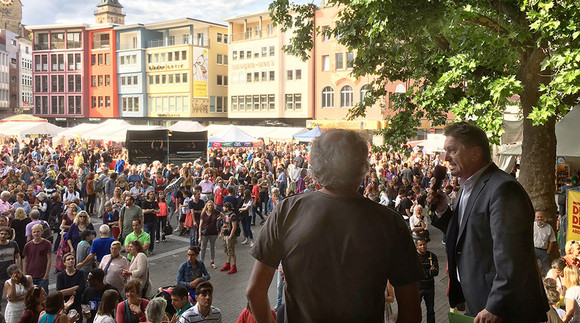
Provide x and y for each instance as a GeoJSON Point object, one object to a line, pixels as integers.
{"type": "Point", "coordinates": [37, 257]}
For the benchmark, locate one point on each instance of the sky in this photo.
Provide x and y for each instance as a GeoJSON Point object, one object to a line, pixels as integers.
{"type": "Point", "coordinates": [51, 12]}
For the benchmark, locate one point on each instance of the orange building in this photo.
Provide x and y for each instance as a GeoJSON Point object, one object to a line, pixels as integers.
{"type": "Point", "coordinates": [103, 92]}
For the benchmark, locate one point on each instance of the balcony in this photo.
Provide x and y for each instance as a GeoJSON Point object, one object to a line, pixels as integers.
{"type": "Point", "coordinates": [41, 46]}
{"type": "Point", "coordinates": [128, 45]}
{"type": "Point", "coordinates": [254, 34]}
{"type": "Point", "coordinates": [162, 42]}
{"type": "Point", "coordinates": [101, 44]}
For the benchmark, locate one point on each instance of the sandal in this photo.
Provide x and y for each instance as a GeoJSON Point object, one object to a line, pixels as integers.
{"type": "Point", "coordinates": [213, 265]}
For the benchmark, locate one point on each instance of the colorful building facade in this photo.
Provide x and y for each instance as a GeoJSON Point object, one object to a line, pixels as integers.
{"type": "Point", "coordinates": [60, 72]}
{"type": "Point", "coordinates": [265, 82]}
{"type": "Point", "coordinates": [102, 71]}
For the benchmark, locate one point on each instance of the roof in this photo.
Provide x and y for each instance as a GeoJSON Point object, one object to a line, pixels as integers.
{"type": "Point", "coordinates": [247, 15]}
{"type": "Point", "coordinates": [113, 3]}
{"type": "Point", "coordinates": [179, 23]}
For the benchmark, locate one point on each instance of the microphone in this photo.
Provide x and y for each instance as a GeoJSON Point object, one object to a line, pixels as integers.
{"type": "Point", "coordinates": [439, 174]}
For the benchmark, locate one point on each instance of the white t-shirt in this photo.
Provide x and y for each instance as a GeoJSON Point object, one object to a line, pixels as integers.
{"type": "Point", "coordinates": [573, 293]}
{"type": "Point", "coordinates": [103, 319]}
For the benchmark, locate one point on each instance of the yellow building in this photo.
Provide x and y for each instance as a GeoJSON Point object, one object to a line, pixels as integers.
{"type": "Point", "coordinates": [186, 69]}
{"type": "Point", "coordinates": [265, 82]}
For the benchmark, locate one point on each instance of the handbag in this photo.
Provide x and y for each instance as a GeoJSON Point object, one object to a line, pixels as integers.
{"type": "Point", "coordinates": [168, 230]}
{"type": "Point", "coordinates": [188, 220]}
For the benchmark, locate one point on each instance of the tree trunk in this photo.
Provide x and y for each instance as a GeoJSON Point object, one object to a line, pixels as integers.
{"type": "Point", "coordinates": [537, 172]}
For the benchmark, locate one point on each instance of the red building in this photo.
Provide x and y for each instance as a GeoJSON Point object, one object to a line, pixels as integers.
{"type": "Point", "coordinates": [102, 71]}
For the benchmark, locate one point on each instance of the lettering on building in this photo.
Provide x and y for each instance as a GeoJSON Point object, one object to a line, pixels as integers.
{"type": "Point", "coordinates": [199, 106]}
{"type": "Point", "coordinates": [166, 67]}
{"type": "Point", "coordinates": [247, 66]}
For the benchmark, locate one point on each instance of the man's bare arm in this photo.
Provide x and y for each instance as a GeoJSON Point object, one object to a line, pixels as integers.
{"type": "Point", "coordinates": [409, 295]}
{"type": "Point", "coordinates": [257, 292]}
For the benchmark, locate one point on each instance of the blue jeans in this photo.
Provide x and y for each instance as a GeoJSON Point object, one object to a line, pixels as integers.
{"type": "Point", "coordinates": [542, 254]}
{"type": "Point", "coordinates": [150, 228]}
{"type": "Point", "coordinates": [42, 283]}
{"type": "Point", "coordinates": [194, 236]}
{"type": "Point", "coordinates": [280, 287]}
{"type": "Point", "coordinates": [247, 228]}
{"type": "Point", "coordinates": [428, 294]}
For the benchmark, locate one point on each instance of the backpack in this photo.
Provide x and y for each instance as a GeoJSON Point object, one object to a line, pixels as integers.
{"type": "Point", "coordinates": [46, 231]}
{"type": "Point", "coordinates": [99, 184]}
{"type": "Point", "coordinates": [55, 217]}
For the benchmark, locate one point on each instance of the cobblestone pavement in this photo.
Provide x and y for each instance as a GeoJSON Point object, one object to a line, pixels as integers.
{"type": "Point", "coordinates": [229, 295]}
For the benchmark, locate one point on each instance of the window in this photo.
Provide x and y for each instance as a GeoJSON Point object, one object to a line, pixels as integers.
{"type": "Point", "coordinates": [101, 60]}
{"type": "Point", "coordinates": [234, 101]}
{"type": "Point", "coordinates": [264, 51]}
{"type": "Point", "coordinates": [71, 83]}
{"type": "Point", "coordinates": [339, 61]}
{"type": "Point", "coordinates": [325, 35]}
{"type": "Point", "coordinates": [264, 76]}
{"type": "Point", "coordinates": [41, 42]}
{"type": "Point", "coordinates": [78, 61]}
{"type": "Point", "coordinates": [349, 60]}
{"type": "Point", "coordinates": [212, 104]}
{"type": "Point", "coordinates": [298, 75]}
{"type": "Point", "coordinates": [135, 80]}
{"type": "Point", "coordinates": [178, 78]}
{"type": "Point", "coordinates": [234, 55]}
{"type": "Point", "coordinates": [78, 104]}
{"type": "Point", "coordinates": [184, 77]}
{"type": "Point", "coordinates": [171, 40]}
{"type": "Point", "coordinates": [270, 29]}
{"type": "Point", "coordinates": [219, 80]}
{"type": "Point", "coordinates": [107, 59]}
{"type": "Point", "coordinates": [108, 101]}
{"type": "Point", "coordinates": [101, 80]}
{"type": "Point", "coordinates": [256, 76]}
{"type": "Point", "coordinates": [289, 99]}
{"type": "Point", "coordinates": [225, 38]}
{"type": "Point", "coordinates": [364, 92]}
{"type": "Point", "coordinates": [71, 62]}
{"type": "Point", "coordinates": [248, 103]}
{"type": "Point", "coordinates": [248, 54]}
{"type": "Point", "coordinates": [37, 64]}
{"type": "Point", "coordinates": [263, 102]}
{"type": "Point", "coordinates": [220, 38]}
{"type": "Point", "coordinates": [290, 75]}
{"type": "Point", "coordinates": [123, 80]}
{"type": "Point", "coordinates": [241, 54]}
{"type": "Point", "coordinates": [170, 78]}
{"type": "Point", "coordinates": [53, 63]}
{"type": "Point", "coordinates": [225, 59]}
{"type": "Point", "coordinates": [272, 75]}
{"type": "Point", "coordinates": [53, 104]}
{"type": "Point", "coordinates": [44, 62]}
{"type": "Point", "coordinates": [57, 40]}
{"type": "Point", "coordinates": [170, 56]}
{"type": "Point", "coordinates": [249, 77]}
{"type": "Point", "coordinates": [346, 97]}
{"type": "Point", "coordinates": [271, 50]}
{"type": "Point", "coordinates": [241, 100]}
{"type": "Point", "coordinates": [183, 55]}
{"type": "Point", "coordinates": [271, 102]}
{"type": "Point", "coordinates": [328, 97]}
{"type": "Point", "coordinates": [164, 79]}
{"type": "Point", "coordinates": [297, 101]}
{"type": "Point", "coordinates": [325, 63]}
{"type": "Point", "coordinates": [71, 105]}
{"type": "Point", "coordinates": [256, 54]}
{"type": "Point", "coordinates": [107, 80]}
{"type": "Point", "coordinates": [157, 79]}
{"type": "Point", "coordinates": [256, 102]}
{"type": "Point", "coordinates": [219, 59]}
{"type": "Point", "coordinates": [73, 40]}
{"type": "Point", "coordinates": [225, 80]}
{"type": "Point", "coordinates": [93, 102]}
{"type": "Point", "coordinates": [219, 107]}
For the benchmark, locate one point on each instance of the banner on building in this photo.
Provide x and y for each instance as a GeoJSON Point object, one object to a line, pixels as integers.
{"type": "Point", "coordinates": [573, 232]}
{"type": "Point", "coordinates": [200, 72]}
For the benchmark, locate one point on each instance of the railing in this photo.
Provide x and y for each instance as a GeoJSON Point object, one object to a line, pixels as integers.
{"type": "Point", "coordinates": [128, 45]}
{"type": "Point", "coordinates": [177, 41]}
{"type": "Point", "coordinates": [97, 44]}
{"type": "Point", "coordinates": [254, 34]}
{"type": "Point", "coordinates": [43, 46]}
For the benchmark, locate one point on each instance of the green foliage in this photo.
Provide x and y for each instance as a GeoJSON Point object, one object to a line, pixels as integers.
{"type": "Point", "coordinates": [466, 57]}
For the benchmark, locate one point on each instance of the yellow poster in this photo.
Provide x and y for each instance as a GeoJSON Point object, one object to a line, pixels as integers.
{"type": "Point", "coordinates": [573, 232]}
{"type": "Point", "coordinates": [200, 72]}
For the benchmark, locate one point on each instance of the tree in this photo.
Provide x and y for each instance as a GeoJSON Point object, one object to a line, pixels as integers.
{"type": "Point", "coordinates": [467, 57]}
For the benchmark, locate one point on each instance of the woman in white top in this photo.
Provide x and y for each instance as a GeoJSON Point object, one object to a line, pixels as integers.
{"type": "Point", "coordinates": [16, 288]}
{"type": "Point", "coordinates": [416, 222]}
{"type": "Point", "coordinates": [109, 302]}
{"type": "Point", "coordinates": [572, 299]}
{"type": "Point", "coordinates": [139, 268]}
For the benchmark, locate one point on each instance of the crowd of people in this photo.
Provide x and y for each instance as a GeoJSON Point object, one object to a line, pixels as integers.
{"type": "Point", "coordinates": [50, 194]}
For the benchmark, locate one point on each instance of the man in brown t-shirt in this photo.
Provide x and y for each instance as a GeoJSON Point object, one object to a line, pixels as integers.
{"type": "Point", "coordinates": [37, 257]}
{"type": "Point", "coordinates": [337, 248]}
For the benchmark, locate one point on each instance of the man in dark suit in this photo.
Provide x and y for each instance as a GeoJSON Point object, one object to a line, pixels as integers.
{"type": "Point", "coordinates": [489, 246]}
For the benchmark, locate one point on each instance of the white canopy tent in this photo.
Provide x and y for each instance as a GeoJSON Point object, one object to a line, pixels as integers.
{"type": "Point", "coordinates": [273, 133]}
{"type": "Point", "coordinates": [106, 129]}
{"type": "Point", "coordinates": [232, 134]}
{"type": "Point", "coordinates": [78, 130]}
{"type": "Point", "coordinates": [121, 134]}
{"type": "Point", "coordinates": [22, 129]}
{"type": "Point", "coordinates": [187, 126]}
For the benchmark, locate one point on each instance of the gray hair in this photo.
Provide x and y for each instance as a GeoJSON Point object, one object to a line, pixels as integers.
{"type": "Point", "coordinates": [339, 159]}
{"type": "Point", "coordinates": [4, 193]}
{"type": "Point", "coordinates": [155, 311]}
{"type": "Point", "coordinates": [104, 229]}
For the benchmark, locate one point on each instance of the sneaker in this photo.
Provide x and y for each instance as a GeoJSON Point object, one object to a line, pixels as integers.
{"type": "Point", "coordinates": [226, 267]}
{"type": "Point", "coordinates": [157, 241]}
{"type": "Point", "coordinates": [233, 270]}
{"type": "Point", "coordinates": [177, 229]}
{"type": "Point", "coordinates": [251, 244]}
{"type": "Point", "coordinates": [245, 241]}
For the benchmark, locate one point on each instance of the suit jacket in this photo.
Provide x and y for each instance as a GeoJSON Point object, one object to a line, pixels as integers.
{"type": "Point", "coordinates": [494, 252]}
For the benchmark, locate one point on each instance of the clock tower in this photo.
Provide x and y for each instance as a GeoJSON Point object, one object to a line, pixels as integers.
{"type": "Point", "coordinates": [108, 12]}
{"type": "Point", "coordinates": [11, 16]}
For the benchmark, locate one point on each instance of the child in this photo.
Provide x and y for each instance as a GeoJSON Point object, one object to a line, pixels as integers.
{"type": "Point", "coordinates": [230, 232]}
{"type": "Point", "coordinates": [161, 216]}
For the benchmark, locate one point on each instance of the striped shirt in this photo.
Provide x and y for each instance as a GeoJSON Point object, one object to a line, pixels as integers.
{"type": "Point", "coordinates": [192, 315]}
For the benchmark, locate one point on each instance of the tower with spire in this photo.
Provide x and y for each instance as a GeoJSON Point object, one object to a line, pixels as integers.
{"type": "Point", "coordinates": [109, 12]}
